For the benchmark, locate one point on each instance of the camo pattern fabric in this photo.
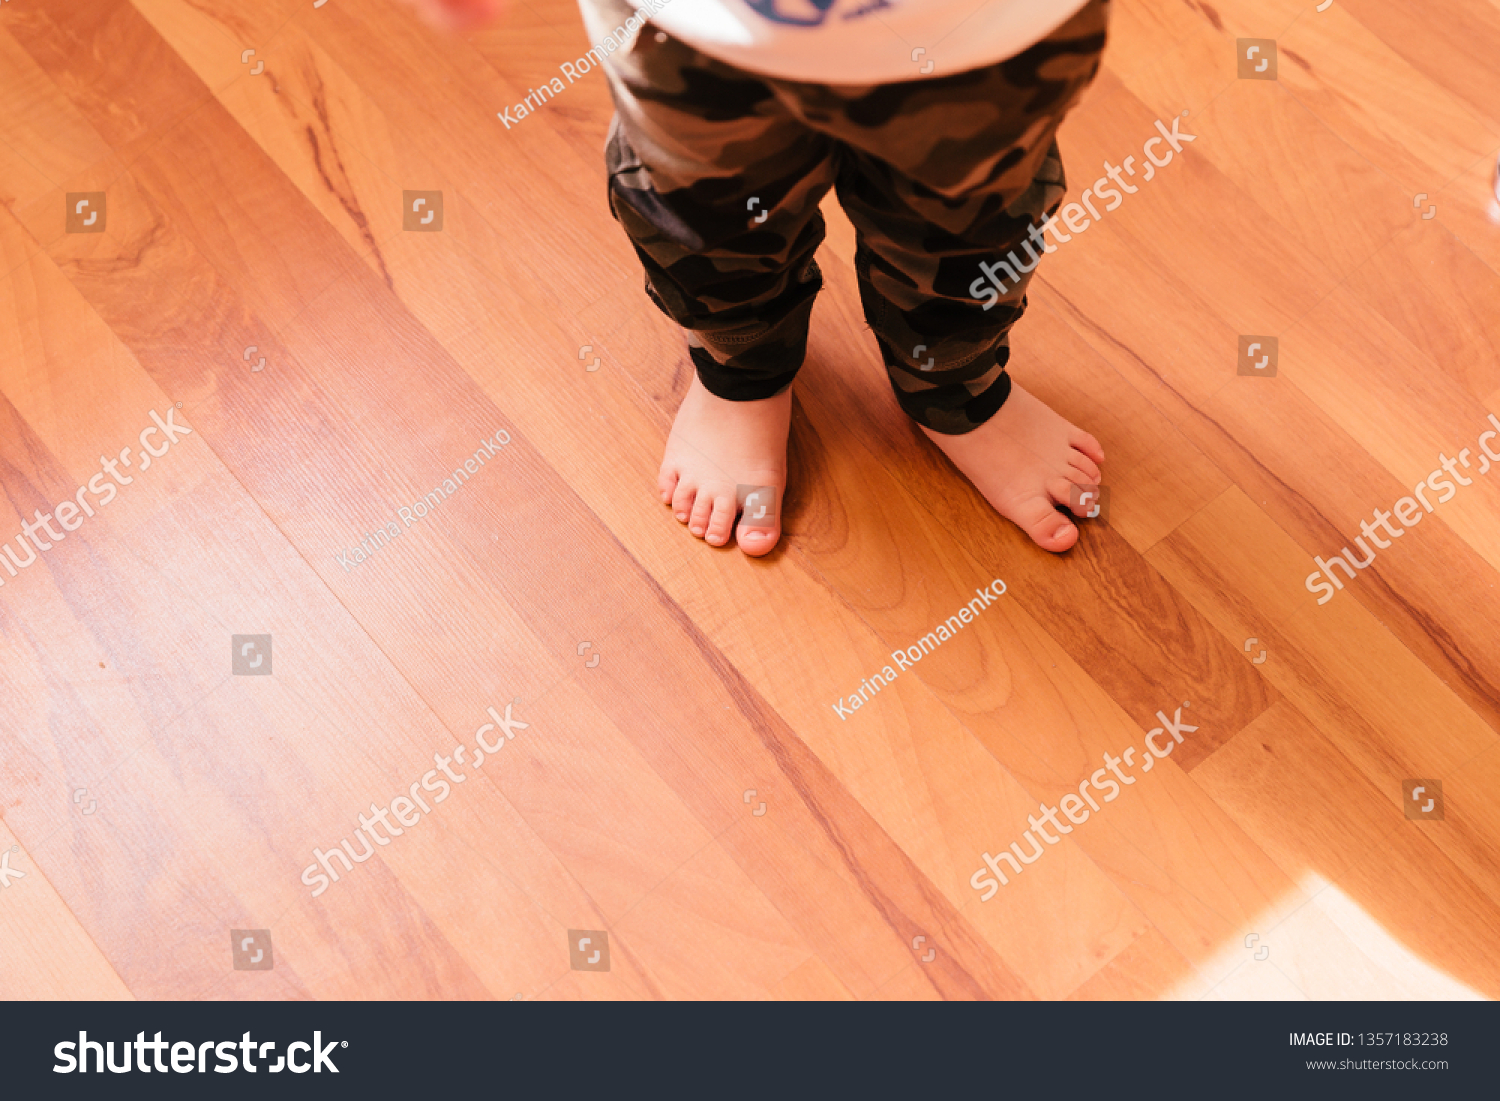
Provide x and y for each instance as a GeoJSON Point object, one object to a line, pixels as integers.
{"type": "Point", "coordinates": [716, 173]}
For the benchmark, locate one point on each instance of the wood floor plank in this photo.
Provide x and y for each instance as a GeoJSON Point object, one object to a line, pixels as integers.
{"type": "Point", "coordinates": [1410, 127]}
{"type": "Point", "coordinates": [1409, 587]}
{"type": "Point", "coordinates": [57, 144]}
{"type": "Point", "coordinates": [1468, 837]}
{"type": "Point", "coordinates": [1317, 482]}
{"type": "Point", "coordinates": [1357, 369]}
{"type": "Point", "coordinates": [818, 827]}
{"type": "Point", "coordinates": [707, 932]}
{"type": "Point", "coordinates": [1451, 42]}
{"type": "Point", "coordinates": [1148, 969]}
{"type": "Point", "coordinates": [1324, 962]}
{"type": "Point", "coordinates": [908, 985]}
{"type": "Point", "coordinates": [104, 81]}
{"type": "Point", "coordinates": [1453, 320]}
{"type": "Point", "coordinates": [538, 169]}
{"type": "Point", "coordinates": [47, 954]}
{"type": "Point", "coordinates": [168, 752]}
{"type": "Point", "coordinates": [1377, 848]}
{"type": "Point", "coordinates": [1302, 174]}
{"type": "Point", "coordinates": [212, 38]}
{"type": "Point", "coordinates": [813, 982]}
{"type": "Point", "coordinates": [1172, 56]}
{"type": "Point", "coordinates": [1386, 711]}
{"type": "Point", "coordinates": [1183, 328]}
{"type": "Point", "coordinates": [1470, 208]}
{"type": "Point", "coordinates": [530, 47]}
{"type": "Point", "coordinates": [144, 800]}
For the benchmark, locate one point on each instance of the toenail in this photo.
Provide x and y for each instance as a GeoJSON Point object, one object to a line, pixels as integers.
{"type": "Point", "coordinates": [682, 516]}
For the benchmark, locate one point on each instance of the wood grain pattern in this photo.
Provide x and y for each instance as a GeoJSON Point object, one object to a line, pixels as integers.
{"type": "Point", "coordinates": [145, 787]}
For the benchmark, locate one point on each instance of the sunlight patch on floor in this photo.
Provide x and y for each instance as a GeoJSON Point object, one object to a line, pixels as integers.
{"type": "Point", "coordinates": [1328, 948]}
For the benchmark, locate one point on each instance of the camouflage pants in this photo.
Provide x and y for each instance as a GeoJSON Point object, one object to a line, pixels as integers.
{"type": "Point", "coordinates": [716, 174]}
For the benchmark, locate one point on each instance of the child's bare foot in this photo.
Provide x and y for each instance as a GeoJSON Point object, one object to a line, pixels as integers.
{"type": "Point", "coordinates": [717, 445]}
{"type": "Point", "coordinates": [1023, 459]}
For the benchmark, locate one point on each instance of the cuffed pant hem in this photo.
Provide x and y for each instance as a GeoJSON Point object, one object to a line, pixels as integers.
{"type": "Point", "coordinates": [962, 417]}
{"type": "Point", "coordinates": [736, 384]}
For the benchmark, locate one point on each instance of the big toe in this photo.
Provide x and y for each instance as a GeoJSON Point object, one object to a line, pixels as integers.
{"type": "Point", "coordinates": [1048, 528]}
{"type": "Point", "coordinates": [757, 541]}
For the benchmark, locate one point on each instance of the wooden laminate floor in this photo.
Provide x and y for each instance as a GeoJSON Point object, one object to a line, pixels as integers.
{"type": "Point", "coordinates": [684, 794]}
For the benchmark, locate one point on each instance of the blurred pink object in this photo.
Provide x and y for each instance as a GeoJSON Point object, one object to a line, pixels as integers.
{"type": "Point", "coordinates": [458, 15]}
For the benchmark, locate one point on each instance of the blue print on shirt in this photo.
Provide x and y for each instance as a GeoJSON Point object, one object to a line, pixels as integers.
{"type": "Point", "coordinates": [813, 13]}
{"type": "Point", "coordinates": [797, 13]}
